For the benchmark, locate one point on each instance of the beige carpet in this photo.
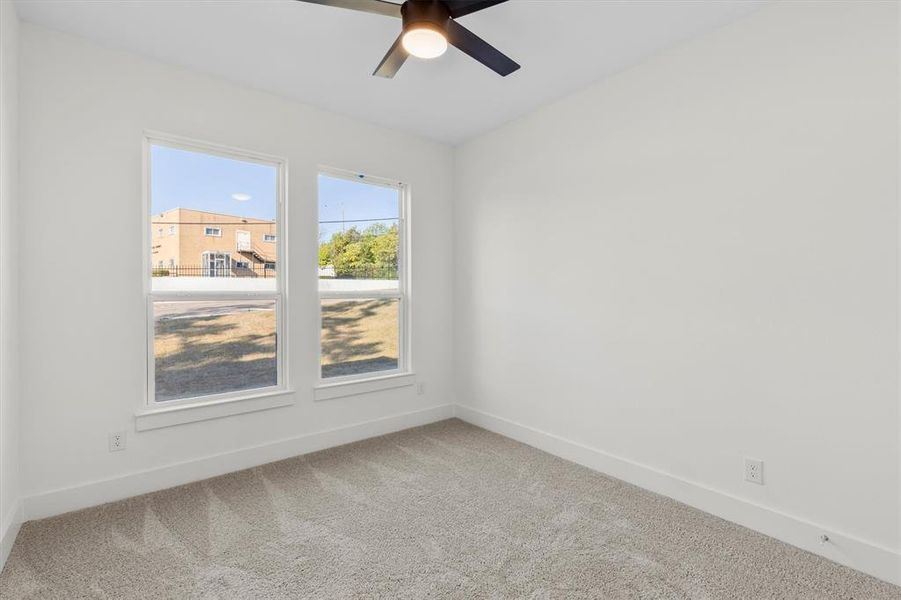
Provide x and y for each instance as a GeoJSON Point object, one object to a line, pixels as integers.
{"type": "Point", "coordinates": [445, 510]}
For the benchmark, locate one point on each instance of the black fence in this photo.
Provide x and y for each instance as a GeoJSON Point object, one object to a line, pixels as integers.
{"type": "Point", "coordinates": [268, 270]}
{"type": "Point", "coordinates": [363, 272]}
{"type": "Point", "coordinates": [236, 270]}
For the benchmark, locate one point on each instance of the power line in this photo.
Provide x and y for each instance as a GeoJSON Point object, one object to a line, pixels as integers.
{"type": "Point", "coordinates": [361, 220]}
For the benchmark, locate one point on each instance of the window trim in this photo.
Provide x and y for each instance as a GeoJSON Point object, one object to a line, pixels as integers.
{"type": "Point", "coordinates": [347, 385]}
{"type": "Point", "coordinates": [241, 400]}
{"type": "Point", "coordinates": [207, 228]}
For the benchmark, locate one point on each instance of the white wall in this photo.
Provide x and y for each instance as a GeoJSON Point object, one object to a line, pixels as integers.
{"type": "Point", "coordinates": [696, 261]}
{"type": "Point", "coordinates": [9, 390]}
{"type": "Point", "coordinates": [83, 110]}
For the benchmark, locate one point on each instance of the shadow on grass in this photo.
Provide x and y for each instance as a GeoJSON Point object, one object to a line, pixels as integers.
{"type": "Point", "coordinates": [355, 367]}
{"type": "Point", "coordinates": [355, 337]}
{"type": "Point", "coordinates": [209, 356]}
{"type": "Point", "coordinates": [236, 350]}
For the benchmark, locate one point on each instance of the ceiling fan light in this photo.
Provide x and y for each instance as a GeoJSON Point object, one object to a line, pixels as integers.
{"type": "Point", "coordinates": [424, 42]}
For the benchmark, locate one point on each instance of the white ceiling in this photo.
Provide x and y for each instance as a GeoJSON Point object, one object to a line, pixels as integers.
{"type": "Point", "coordinates": [325, 56]}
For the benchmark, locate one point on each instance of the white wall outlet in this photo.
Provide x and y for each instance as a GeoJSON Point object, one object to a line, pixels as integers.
{"type": "Point", "coordinates": [117, 441]}
{"type": "Point", "coordinates": [420, 388]}
{"type": "Point", "coordinates": [754, 471]}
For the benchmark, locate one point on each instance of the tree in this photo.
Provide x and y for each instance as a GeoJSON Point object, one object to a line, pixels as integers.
{"type": "Point", "coordinates": [371, 253]}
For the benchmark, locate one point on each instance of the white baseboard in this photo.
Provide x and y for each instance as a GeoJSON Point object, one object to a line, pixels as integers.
{"type": "Point", "coordinates": [848, 550]}
{"type": "Point", "coordinates": [95, 493]}
{"type": "Point", "coordinates": [9, 529]}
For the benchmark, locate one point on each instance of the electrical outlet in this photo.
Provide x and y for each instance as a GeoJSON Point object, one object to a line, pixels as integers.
{"type": "Point", "coordinates": [117, 441]}
{"type": "Point", "coordinates": [754, 471]}
{"type": "Point", "coordinates": [420, 388]}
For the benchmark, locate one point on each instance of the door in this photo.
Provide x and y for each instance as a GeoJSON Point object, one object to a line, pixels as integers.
{"type": "Point", "coordinates": [243, 241]}
{"type": "Point", "coordinates": [217, 264]}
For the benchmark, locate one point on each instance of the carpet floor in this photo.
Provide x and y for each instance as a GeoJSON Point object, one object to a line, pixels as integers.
{"type": "Point", "coordinates": [445, 510]}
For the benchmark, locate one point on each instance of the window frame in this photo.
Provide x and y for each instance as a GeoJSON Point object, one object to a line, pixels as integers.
{"type": "Point", "coordinates": [325, 386]}
{"type": "Point", "coordinates": [257, 398]}
{"type": "Point", "coordinates": [208, 228]}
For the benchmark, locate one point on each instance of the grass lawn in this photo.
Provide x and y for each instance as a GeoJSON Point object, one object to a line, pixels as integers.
{"type": "Point", "coordinates": [210, 353]}
{"type": "Point", "coordinates": [358, 336]}
{"type": "Point", "coordinates": [214, 347]}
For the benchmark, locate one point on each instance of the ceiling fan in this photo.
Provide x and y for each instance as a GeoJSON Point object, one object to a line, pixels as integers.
{"type": "Point", "coordinates": [428, 27]}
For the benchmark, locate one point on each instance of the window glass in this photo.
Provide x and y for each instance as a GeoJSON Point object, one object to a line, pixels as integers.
{"type": "Point", "coordinates": [217, 213]}
{"type": "Point", "coordinates": [358, 235]}
{"type": "Point", "coordinates": [359, 336]}
{"type": "Point", "coordinates": [362, 305]}
{"type": "Point", "coordinates": [210, 347]}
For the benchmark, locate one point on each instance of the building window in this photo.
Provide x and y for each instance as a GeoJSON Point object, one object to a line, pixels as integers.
{"type": "Point", "coordinates": [362, 278]}
{"type": "Point", "coordinates": [216, 331]}
{"type": "Point", "coordinates": [269, 266]}
{"type": "Point", "coordinates": [268, 237]}
{"type": "Point", "coordinates": [171, 229]}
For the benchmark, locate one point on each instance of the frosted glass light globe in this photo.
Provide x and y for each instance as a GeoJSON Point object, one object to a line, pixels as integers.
{"type": "Point", "coordinates": [424, 43]}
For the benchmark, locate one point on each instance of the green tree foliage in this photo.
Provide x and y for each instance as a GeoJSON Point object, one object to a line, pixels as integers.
{"type": "Point", "coordinates": [370, 253]}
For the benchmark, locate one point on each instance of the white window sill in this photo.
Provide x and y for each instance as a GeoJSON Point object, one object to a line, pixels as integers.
{"type": "Point", "coordinates": [168, 416]}
{"type": "Point", "coordinates": [341, 389]}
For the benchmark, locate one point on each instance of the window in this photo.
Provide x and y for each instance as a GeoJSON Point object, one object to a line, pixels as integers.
{"type": "Point", "coordinates": [269, 266]}
{"type": "Point", "coordinates": [362, 279]}
{"type": "Point", "coordinates": [215, 327]}
{"type": "Point", "coordinates": [171, 229]}
{"type": "Point", "coordinates": [268, 237]}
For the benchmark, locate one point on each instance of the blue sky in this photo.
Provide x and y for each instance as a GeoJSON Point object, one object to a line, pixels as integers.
{"type": "Point", "coordinates": [180, 178]}
{"type": "Point", "coordinates": [346, 200]}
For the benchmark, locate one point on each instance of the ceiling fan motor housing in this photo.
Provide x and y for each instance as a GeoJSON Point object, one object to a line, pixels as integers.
{"type": "Point", "coordinates": [432, 14]}
{"type": "Point", "coordinates": [428, 28]}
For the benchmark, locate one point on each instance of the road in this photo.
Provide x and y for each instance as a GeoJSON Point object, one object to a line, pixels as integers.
{"type": "Point", "coordinates": [208, 308]}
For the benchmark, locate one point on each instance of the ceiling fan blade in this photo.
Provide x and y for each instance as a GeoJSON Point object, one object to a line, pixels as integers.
{"type": "Point", "coordinates": [378, 7]}
{"type": "Point", "coordinates": [393, 61]}
{"type": "Point", "coordinates": [479, 49]}
{"type": "Point", "coordinates": [458, 8]}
